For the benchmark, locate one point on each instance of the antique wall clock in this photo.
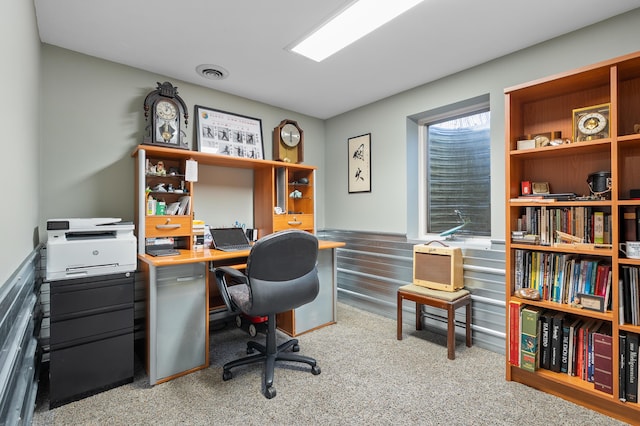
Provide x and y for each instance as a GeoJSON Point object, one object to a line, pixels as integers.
{"type": "Point", "coordinates": [288, 142]}
{"type": "Point", "coordinates": [165, 108]}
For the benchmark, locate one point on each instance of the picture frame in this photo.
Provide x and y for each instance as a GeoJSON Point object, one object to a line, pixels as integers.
{"type": "Point", "coordinates": [591, 302]}
{"type": "Point", "coordinates": [591, 123]}
{"type": "Point", "coordinates": [359, 161]}
{"type": "Point", "coordinates": [225, 133]}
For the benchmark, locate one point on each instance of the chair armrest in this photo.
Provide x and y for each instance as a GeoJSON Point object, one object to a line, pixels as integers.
{"type": "Point", "coordinates": [223, 273]}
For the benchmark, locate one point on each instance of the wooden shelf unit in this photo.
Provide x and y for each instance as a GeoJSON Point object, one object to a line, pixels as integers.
{"type": "Point", "coordinates": [546, 105]}
{"type": "Point", "coordinates": [273, 183]}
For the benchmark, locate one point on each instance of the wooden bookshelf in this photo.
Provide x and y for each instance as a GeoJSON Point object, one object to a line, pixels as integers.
{"type": "Point", "coordinates": [546, 105]}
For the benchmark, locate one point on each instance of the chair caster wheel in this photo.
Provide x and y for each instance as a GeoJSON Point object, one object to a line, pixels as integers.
{"type": "Point", "coordinates": [250, 351]}
{"type": "Point", "coordinates": [295, 348]}
{"type": "Point", "coordinates": [315, 370]}
{"type": "Point", "coordinates": [238, 321]}
{"type": "Point", "coordinates": [226, 375]}
{"type": "Point", "coordinates": [252, 330]}
{"type": "Point", "coordinates": [270, 392]}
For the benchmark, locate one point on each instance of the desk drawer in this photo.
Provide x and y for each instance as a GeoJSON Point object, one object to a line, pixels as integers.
{"type": "Point", "coordinates": [293, 221]}
{"type": "Point", "coordinates": [90, 328]}
{"type": "Point", "coordinates": [167, 226]}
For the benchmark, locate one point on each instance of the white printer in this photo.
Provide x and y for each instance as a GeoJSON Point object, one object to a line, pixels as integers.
{"type": "Point", "coordinates": [87, 247]}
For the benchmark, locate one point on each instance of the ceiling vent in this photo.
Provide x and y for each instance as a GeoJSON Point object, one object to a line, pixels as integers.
{"type": "Point", "coordinates": [212, 72]}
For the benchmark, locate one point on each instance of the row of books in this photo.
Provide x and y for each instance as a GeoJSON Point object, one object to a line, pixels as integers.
{"type": "Point", "coordinates": [561, 277]}
{"type": "Point", "coordinates": [578, 347]}
{"type": "Point", "coordinates": [629, 306]}
{"type": "Point", "coordinates": [584, 222]}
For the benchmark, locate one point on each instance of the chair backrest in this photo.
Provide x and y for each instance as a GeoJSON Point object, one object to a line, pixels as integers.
{"type": "Point", "coordinates": [281, 271]}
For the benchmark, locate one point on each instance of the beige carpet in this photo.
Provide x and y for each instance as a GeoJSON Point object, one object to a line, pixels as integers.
{"type": "Point", "coordinates": [368, 377]}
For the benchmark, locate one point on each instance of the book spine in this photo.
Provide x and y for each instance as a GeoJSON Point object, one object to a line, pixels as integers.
{"type": "Point", "coordinates": [603, 363]}
{"type": "Point", "coordinates": [632, 368]}
{"type": "Point", "coordinates": [556, 343]}
{"type": "Point", "coordinates": [564, 358]}
{"type": "Point", "coordinates": [546, 320]}
{"type": "Point", "coordinates": [514, 332]}
{"type": "Point", "coordinates": [530, 335]}
{"type": "Point", "coordinates": [622, 364]}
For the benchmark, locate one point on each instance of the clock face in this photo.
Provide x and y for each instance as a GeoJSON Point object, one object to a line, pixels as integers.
{"type": "Point", "coordinates": [592, 123]}
{"type": "Point", "coordinates": [290, 135]}
{"type": "Point", "coordinates": [166, 110]}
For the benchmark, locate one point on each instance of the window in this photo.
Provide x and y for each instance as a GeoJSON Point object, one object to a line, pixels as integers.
{"type": "Point", "coordinates": [455, 172]}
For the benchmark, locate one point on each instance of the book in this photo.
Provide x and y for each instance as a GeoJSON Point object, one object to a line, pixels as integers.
{"type": "Point", "coordinates": [556, 342]}
{"type": "Point", "coordinates": [603, 362]}
{"type": "Point", "coordinates": [515, 308]}
{"type": "Point", "coordinates": [530, 321]}
{"type": "Point", "coordinates": [573, 339]}
{"type": "Point", "coordinates": [622, 366]}
{"type": "Point", "coordinates": [598, 227]}
{"type": "Point", "coordinates": [631, 383]}
{"type": "Point", "coordinates": [546, 321]}
{"type": "Point", "coordinates": [629, 224]}
{"type": "Point", "coordinates": [564, 355]}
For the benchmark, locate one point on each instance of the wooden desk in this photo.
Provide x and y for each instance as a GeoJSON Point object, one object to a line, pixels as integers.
{"type": "Point", "coordinates": [178, 332]}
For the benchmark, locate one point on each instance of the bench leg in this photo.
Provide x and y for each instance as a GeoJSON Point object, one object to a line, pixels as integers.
{"type": "Point", "coordinates": [418, 316]}
{"type": "Point", "coordinates": [399, 317]}
{"type": "Point", "coordinates": [451, 332]}
{"type": "Point", "coordinates": [468, 324]}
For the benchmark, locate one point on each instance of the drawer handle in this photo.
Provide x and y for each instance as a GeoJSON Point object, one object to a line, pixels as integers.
{"type": "Point", "coordinates": [196, 277]}
{"type": "Point", "coordinates": [174, 226]}
{"type": "Point", "coordinates": [167, 225]}
{"type": "Point", "coordinates": [294, 222]}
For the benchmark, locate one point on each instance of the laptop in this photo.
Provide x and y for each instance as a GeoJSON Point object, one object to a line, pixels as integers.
{"type": "Point", "coordinates": [229, 239]}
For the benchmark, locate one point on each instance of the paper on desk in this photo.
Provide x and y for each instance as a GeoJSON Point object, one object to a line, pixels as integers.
{"type": "Point", "coordinates": [191, 172]}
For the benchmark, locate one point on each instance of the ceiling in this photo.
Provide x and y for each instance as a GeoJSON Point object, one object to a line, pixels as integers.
{"type": "Point", "coordinates": [248, 39]}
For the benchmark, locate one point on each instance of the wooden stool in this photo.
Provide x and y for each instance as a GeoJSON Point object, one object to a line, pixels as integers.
{"type": "Point", "coordinates": [449, 300]}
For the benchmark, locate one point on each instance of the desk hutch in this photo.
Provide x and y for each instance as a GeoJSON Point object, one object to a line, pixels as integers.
{"type": "Point", "coordinates": [544, 106]}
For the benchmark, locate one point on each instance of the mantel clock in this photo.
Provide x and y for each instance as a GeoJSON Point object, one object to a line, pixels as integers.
{"type": "Point", "coordinates": [165, 108]}
{"type": "Point", "coordinates": [288, 141]}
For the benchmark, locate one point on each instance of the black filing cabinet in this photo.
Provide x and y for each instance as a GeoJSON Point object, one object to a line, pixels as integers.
{"type": "Point", "coordinates": [91, 336]}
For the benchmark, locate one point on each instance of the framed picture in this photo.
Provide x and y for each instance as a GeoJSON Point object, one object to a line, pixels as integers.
{"type": "Point", "coordinates": [225, 133]}
{"type": "Point", "coordinates": [591, 302]}
{"type": "Point", "coordinates": [359, 158]}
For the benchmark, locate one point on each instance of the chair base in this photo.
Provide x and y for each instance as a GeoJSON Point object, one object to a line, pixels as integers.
{"type": "Point", "coordinates": [269, 354]}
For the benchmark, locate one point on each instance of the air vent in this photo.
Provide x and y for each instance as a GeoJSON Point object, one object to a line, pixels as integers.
{"type": "Point", "coordinates": [212, 72]}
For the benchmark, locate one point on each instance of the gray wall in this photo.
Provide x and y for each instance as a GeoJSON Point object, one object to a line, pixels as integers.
{"type": "Point", "coordinates": [19, 109]}
{"type": "Point", "coordinates": [94, 119]}
{"type": "Point", "coordinates": [385, 208]}
{"type": "Point", "coordinates": [89, 113]}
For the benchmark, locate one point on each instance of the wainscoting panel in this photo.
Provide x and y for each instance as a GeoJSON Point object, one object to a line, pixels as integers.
{"type": "Point", "coordinates": [372, 266]}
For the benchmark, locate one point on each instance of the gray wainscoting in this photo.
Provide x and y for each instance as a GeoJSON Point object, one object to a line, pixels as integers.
{"type": "Point", "coordinates": [19, 354]}
{"type": "Point", "coordinates": [372, 266]}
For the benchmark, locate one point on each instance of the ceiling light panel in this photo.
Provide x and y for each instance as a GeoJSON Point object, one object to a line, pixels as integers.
{"type": "Point", "coordinates": [356, 21]}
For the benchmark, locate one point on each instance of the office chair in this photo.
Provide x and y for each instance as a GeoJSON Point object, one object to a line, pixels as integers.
{"type": "Point", "coordinates": [280, 275]}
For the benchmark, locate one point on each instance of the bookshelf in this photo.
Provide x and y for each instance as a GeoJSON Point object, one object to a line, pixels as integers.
{"type": "Point", "coordinates": [543, 107]}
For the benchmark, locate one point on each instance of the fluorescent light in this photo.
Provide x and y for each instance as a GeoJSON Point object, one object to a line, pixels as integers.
{"type": "Point", "coordinates": [356, 21]}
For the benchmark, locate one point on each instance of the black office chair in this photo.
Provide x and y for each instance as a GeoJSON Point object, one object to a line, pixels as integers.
{"type": "Point", "coordinates": [281, 275]}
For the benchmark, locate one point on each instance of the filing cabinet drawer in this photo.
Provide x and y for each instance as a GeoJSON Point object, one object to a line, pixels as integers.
{"type": "Point", "coordinates": [85, 296]}
{"type": "Point", "coordinates": [167, 226]}
{"type": "Point", "coordinates": [293, 221]}
{"type": "Point", "coordinates": [91, 327]}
